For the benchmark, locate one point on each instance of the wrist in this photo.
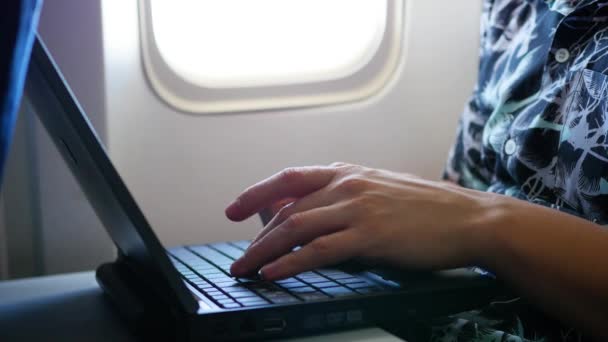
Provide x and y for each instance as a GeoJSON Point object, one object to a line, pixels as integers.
{"type": "Point", "coordinates": [494, 217]}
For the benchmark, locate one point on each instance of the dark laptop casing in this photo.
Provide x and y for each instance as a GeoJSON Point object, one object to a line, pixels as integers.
{"type": "Point", "coordinates": [150, 293]}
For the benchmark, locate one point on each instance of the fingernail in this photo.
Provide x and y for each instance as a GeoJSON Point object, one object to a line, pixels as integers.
{"type": "Point", "coordinates": [267, 272]}
{"type": "Point", "coordinates": [236, 269]}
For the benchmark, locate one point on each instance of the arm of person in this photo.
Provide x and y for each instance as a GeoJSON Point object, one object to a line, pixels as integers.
{"type": "Point", "coordinates": [554, 258]}
{"type": "Point", "coordinates": [344, 211]}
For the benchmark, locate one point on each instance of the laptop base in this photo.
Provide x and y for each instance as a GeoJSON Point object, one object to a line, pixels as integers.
{"type": "Point", "coordinates": [145, 313]}
{"type": "Point", "coordinates": [150, 313]}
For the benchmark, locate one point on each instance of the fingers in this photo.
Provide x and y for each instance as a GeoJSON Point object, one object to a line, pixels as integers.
{"type": "Point", "coordinates": [297, 230]}
{"type": "Point", "coordinates": [317, 199]}
{"type": "Point", "coordinates": [325, 250]}
{"type": "Point", "coordinates": [292, 182]}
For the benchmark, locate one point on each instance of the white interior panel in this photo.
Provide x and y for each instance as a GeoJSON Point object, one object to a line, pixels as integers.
{"type": "Point", "coordinates": [184, 169]}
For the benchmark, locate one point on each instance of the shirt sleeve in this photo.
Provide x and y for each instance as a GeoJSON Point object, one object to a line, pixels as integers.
{"type": "Point", "coordinates": [18, 20]}
{"type": "Point", "coordinates": [465, 154]}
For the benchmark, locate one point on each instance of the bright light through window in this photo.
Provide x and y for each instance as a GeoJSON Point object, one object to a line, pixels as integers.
{"type": "Point", "coordinates": [245, 43]}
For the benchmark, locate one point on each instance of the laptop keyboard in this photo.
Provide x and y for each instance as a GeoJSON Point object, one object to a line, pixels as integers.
{"type": "Point", "coordinates": [207, 268]}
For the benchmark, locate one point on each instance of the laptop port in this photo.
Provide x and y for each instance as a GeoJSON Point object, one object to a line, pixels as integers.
{"type": "Point", "coordinates": [274, 324]}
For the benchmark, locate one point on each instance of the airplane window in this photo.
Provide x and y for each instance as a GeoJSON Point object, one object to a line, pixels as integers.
{"type": "Point", "coordinates": [244, 43]}
{"type": "Point", "coordinates": [232, 55]}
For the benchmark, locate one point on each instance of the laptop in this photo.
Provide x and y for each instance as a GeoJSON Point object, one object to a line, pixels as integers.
{"type": "Point", "coordinates": [187, 293]}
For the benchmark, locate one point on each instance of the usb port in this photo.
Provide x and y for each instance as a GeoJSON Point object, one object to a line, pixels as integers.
{"type": "Point", "coordinates": [274, 324]}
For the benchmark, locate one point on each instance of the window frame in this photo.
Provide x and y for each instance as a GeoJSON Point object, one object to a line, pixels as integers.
{"type": "Point", "coordinates": [187, 97]}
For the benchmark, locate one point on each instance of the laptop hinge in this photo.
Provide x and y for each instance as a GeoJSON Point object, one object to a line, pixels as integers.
{"type": "Point", "coordinates": [147, 312]}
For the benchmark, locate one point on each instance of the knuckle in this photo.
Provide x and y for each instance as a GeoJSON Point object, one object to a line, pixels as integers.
{"type": "Point", "coordinates": [342, 166]}
{"type": "Point", "coordinates": [370, 172]}
{"type": "Point", "coordinates": [345, 167]}
{"type": "Point", "coordinates": [321, 245]}
{"type": "Point", "coordinates": [352, 184]}
{"type": "Point", "coordinates": [293, 221]}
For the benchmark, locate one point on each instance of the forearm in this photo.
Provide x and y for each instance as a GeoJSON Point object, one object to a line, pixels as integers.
{"type": "Point", "coordinates": [555, 259]}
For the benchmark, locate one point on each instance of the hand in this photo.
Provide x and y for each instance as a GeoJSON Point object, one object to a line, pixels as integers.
{"type": "Point", "coordinates": [346, 211]}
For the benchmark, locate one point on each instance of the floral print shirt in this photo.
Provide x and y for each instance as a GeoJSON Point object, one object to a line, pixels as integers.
{"type": "Point", "coordinates": [535, 128]}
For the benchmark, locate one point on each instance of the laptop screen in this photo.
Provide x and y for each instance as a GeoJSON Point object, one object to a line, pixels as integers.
{"type": "Point", "coordinates": [78, 143]}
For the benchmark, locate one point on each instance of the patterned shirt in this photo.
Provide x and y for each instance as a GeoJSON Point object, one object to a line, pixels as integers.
{"type": "Point", "coordinates": [535, 128]}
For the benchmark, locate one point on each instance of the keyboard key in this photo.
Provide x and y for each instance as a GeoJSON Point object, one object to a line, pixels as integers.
{"type": "Point", "coordinates": [325, 284]}
{"type": "Point", "coordinates": [269, 293]}
{"type": "Point", "coordinates": [359, 285]}
{"type": "Point", "coordinates": [251, 301]}
{"type": "Point", "coordinates": [204, 268]}
{"type": "Point", "coordinates": [197, 263]}
{"type": "Point", "coordinates": [230, 250]}
{"type": "Point", "coordinates": [225, 301]}
{"type": "Point", "coordinates": [293, 285]}
{"type": "Point", "coordinates": [180, 253]}
{"type": "Point", "coordinates": [277, 294]}
{"type": "Point", "coordinates": [302, 289]}
{"type": "Point", "coordinates": [220, 279]}
{"type": "Point", "coordinates": [286, 281]}
{"type": "Point", "coordinates": [339, 291]}
{"type": "Point", "coordinates": [235, 287]}
{"type": "Point", "coordinates": [241, 244]}
{"type": "Point", "coordinates": [228, 283]}
{"type": "Point", "coordinates": [251, 279]}
{"type": "Point", "coordinates": [261, 286]}
{"type": "Point", "coordinates": [346, 281]}
{"type": "Point", "coordinates": [243, 294]}
{"type": "Point", "coordinates": [219, 297]}
{"type": "Point", "coordinates": [314, 280]}
{"type": "Point", "coordinates": [335, 275]}
{"type": "Point", "coordinates": [326, 271]}
{"type": "Point", "coordinates": [210, 255]}
{"type": "Point", "coordinates": [230, 306]}
{"type": "Point", "coordinates": [235, 291]}
{"type": "Point", "coordinates": [307, 274]}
